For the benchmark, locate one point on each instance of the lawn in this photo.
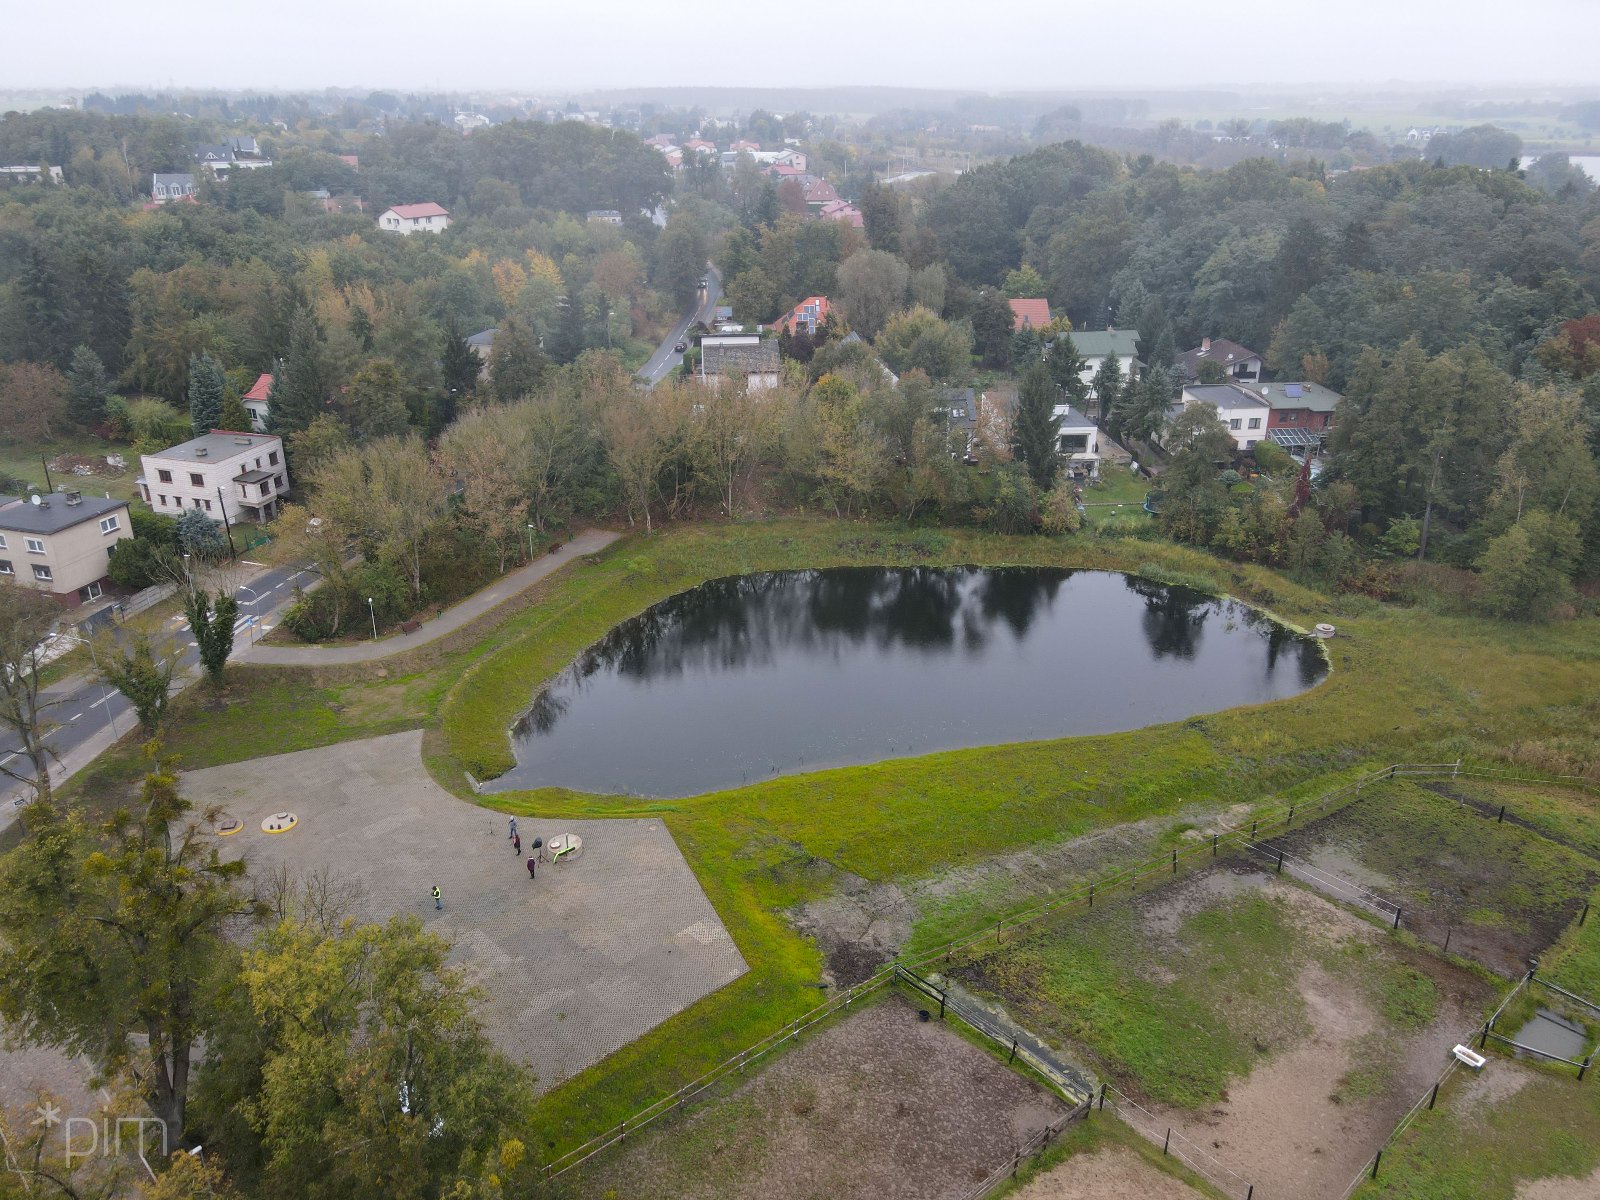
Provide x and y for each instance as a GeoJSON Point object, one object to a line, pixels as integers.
{"type": "Point", "coordinates": [23, 461]}
{"type": "Point", "coordinates": [1405, 684]}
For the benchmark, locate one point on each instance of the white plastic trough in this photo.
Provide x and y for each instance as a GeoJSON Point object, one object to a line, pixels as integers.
{"type": "Point", "coordinates": [1468, 1057]}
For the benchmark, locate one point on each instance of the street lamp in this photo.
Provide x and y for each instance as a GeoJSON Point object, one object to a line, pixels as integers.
{"type": "Point", "coordinates": [254, 619]}
{"type": "Point", "coordinates": [373, 613]}
{"type": "Point", "coordinates": [530, 542]}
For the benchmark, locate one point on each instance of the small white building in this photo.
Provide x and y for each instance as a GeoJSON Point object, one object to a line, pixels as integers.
{"type": "Point", "coordinates": [407, 219]}
{"type": "Point", "coordinates": [1094, 346]}
{"type": "Point", "coordinates": [167, 186]}
{"type": "Point", "coordinates": [1078, 441]}
{"type": "Point", "coordinates": [258, 402]}
{"type": "Point", "coordinates": [221, 473]}
{"type": "Point", "coordinates": [1244, 412]}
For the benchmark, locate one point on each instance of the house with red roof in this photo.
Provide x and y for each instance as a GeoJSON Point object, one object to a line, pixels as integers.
{"type": "Point", "coordinates": [1034, 313]}
{"type": "Point", "coordinates": [406, 219]}
{"type": "Point", "coordinates": [842, 210]}
{"type": "Point", "coordinates": [808, 314]}
{"type": "Point", "coordinates": [257, 402]}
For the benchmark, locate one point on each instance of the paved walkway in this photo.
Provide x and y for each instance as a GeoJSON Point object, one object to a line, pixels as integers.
{"type": "Point", "coordinates": [452, 619]}
{"type": "Point", "coordinates": [573, 964]}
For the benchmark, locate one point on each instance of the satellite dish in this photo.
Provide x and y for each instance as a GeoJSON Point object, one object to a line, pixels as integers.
{"type": "Point", "coordinates": [36, 499]}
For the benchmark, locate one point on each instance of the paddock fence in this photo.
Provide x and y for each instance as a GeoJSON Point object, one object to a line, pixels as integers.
{"type": "Point", "coordinates": [1175, 1143]}
{"type": "Point", "coordinates": [1246, 837]}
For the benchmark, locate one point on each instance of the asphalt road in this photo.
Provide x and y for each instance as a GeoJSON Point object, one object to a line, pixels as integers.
{"type": "Point", "coordinates": [666, 360]}
{"type": "Point", "coordinates": [80, 707]}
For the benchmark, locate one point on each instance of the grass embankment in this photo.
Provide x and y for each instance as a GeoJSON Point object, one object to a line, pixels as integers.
{"type": "Point", "coordinates": [1489, 1146]}
{"type": "Point", "coordinates": [1405, 683]}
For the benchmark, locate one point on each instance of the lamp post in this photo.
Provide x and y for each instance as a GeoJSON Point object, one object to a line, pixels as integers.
{"type": "Point", "coordinates": [373, 613]}
{"type": "Point", "coordinates": [530, 542]}
{"type": "Point", "coordinates": [253, 617]}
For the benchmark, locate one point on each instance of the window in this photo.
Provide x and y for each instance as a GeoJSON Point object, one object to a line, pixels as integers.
{"type": "Point", "coordinates": [5, 567]}
{"type": "Point", "coordinates": [2, 541]}
{"type": "Point", "coordinates": [1074, 443]}
{"type": "Point", "coordinates": [164, 476]}
{"type": "Point", "coordinates": [266, 488]}
{"type": "Point", "coordinates": [1233, 424]}
{"type": "Point", "coordinates": [278, 479]}
{"type": "Point", "coordinates": [92, 591]}
{"type": "Point", "coordinates": [196, 479]}
{"type": "Point", "coordinates": [108, 525]}
{"type": "Point", "coordinates": [42, 573]}
{"type": "Point", "coordinates": [1255, 422]}
{"type": "Point", "coordinates": [272, 458]}
{"type": "Point", "coordinates": [163, 500]}
{"type": "Point", "coordinates": [35, 545]}
{"type": "Point", "coordinates": [207, 504]}
{"type": "Point", "coordinates": [258, 464]}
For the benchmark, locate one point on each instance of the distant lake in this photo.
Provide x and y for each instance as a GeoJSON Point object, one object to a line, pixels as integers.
{"type": "Point", "coordinates": [745, 678]}
{"type": "Point", "coordinates": [1589, 164]}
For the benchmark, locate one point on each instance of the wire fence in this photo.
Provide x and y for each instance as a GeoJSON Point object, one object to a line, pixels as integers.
{"type": "Point", "coordinates": [1035, 1145]}
{"type": "Point", "coordinates": [1174, 1142]}
{"type": "Point", "coordinates": [1429, 1097]}
{"type": "Point", "coordinates": [1246, 836]}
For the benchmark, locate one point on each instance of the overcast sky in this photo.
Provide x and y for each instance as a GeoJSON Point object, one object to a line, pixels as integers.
{"type": "Point", "coordinates": [546, 45]}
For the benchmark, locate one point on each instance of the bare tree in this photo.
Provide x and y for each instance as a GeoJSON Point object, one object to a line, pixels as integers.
{"type": "Point", "coordinates": [390, 492]}
{"type": "Point", "coordinates": [730, 432]}
{"type": "Point", "coordinates": [489, 452]}
{"type": "Point", "coordinates": [26, 617]}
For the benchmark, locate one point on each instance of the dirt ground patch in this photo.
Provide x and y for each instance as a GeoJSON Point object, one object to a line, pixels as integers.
{"type": "Point", "coordinates": [1282, 1033]}
{"type": "Point", "coordinates": [1115, 1173]}
{"type": "Point", "coordinates": [1502, 893]}
{"type": "Point", "coordinates": [1562, 1189]}
{"type": "Point", "coordinates": [878, 1104]}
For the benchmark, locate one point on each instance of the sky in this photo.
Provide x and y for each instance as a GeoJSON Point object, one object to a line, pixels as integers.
{"type": "Point", "coordinates": [541, 46]}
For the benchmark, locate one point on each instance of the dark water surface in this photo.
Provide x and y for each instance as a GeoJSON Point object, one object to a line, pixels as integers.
{"type": "Point", "coordinates": [742, 679]}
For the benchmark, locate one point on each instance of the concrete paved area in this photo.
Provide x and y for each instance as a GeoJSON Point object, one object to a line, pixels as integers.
{"type": "Point", "coordinates": [573, 964]}
{"type": "Point", "coordinates": [451, 619]}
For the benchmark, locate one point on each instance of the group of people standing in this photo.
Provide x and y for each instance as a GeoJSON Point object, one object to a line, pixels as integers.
{"type": "Point", "coordinates": [516, 848]}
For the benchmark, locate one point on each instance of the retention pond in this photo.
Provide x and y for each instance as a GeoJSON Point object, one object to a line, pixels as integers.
{"type": "Point", "coordinates": [745, 678]}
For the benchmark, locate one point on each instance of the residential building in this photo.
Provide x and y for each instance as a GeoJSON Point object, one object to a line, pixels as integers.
{"type": "Point", "coordinates": [842, 210]}
{"type": "Point", "coordinates": [407, 219]}
{"type": "Point", "coordinates": [168, 186]}
{"type": "Point", "coordinates": [819, 192]}
{"type": "Point", "coordinates": [35, 173]}
{"type": "Point", "coordinates": [1034, 313]}
{"type": "Point", "coordinates": [60, 542]}
{"type": "Point", "coordinates": [1299, 415]}
{"type": "Point", "coordinates": [807, 315]}
{"type": "Point", "coordinates": [1242, 411]}
{"type": "Point", "coordinates": [468, 121]}
{"type": "Point", "coordinates": [353, 161]}
{"type": "Point", "coordinates": [1078, 441]}
{"type": "Point", "coordinates": [605, 216]}
{"type": "Point", "coordinates": [482, 344]}
{"type": "Point", "coordinates": [1237, 363]}
{"type": "Point", "coordinates": [258, 401]}
{"type": "Point", "coordinates": [961, 405]}
{"type": "Point", "coordinates": [1094, 346]}
{"type": "Point", "coordinates": [224, 474]}
{"type": "Point", "coordinates": [747, 354]}
{"type": "Point", "coordinates": [233, 154]}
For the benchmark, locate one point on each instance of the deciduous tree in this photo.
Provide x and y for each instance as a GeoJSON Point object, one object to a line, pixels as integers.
{"type": "Point", "coordinates": [26, 618]}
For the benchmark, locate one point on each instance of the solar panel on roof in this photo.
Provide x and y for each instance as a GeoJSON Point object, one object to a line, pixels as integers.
{"type": "Point", "coordinates": [1293, 390]}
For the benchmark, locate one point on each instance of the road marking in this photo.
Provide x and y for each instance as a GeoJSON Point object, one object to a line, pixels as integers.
{"type": "Point", "coordinates": [74, 716]}
{"type": "Point", "coordinates": [7, 758]}
{"type": "Point", "coordinates": [101, 701]}
{"type": "Point", "coordinates": [248, 563]}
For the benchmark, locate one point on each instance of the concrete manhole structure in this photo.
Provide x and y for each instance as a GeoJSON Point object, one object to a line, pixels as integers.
{"type": "Point", "coordinates": [573, 963]}
{"type": "Point", "coordinates": [280, 822]}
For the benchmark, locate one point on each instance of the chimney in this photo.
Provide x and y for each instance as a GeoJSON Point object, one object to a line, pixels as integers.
{"type": "Point", "coordinates": [1205, 345]}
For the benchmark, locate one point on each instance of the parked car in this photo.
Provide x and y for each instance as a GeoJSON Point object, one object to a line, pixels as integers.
{"type": "Point", "coordinates": [680, 347]}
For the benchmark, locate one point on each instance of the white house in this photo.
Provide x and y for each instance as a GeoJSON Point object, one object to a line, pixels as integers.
{"type": "Point", "coordinates": [1095, 346]}
{"type": "Point", "coordinates": [166, 186]}
{"type": "Point", "coordinates": [407, 219]}
{"type": "Point", "coordinates": [221, 473]}
{"type": "Point", "coordinates": [746, 354]}
{"type": "Point", "coordinates": [1244, 412]}
{"type": "Point", "coordinates": [1235, 361]}
{"type": "Point", "coordinates": [258, 402]}
{"type": "Point", "coordinates": [1078, 441]}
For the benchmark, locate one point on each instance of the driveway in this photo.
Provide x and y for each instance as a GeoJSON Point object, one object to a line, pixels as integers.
{"type": "Point", "coordinates": [574, 964]}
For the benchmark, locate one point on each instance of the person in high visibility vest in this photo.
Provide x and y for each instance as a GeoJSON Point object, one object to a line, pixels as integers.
{"type": "Point", "coordinates": [438, 897]}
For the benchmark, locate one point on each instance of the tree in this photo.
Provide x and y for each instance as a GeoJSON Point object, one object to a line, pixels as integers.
{"type": "Point", "coordinates": [234, 415]}
{"type": "Point", "coordinates": [872, 288]}
{"type": "Point", "coordinates": [88, 385]}
{"type": "Point", "coordinates": [1527, 570]}
{"type": "Point", "coordinates": [211, 623]}
{"type": "Point", "coordinates": [300, 384]}
{"type": "Point", "coordinates": [389, 492]}
{"type": "Point", "coordinates": [113, 942]}
{"type": "Point", "coordinates": [1106, 386]}
{"type": "Point", "coordinates": [517, 364]}
{"type": "Point", "coordinates": [1143, 410]}
{"type": "Point", "coordinates": [361, 1067]}
{"type": "Point", "coordinates": [928, 288]}
{"type": "Point", "coordinates": [199, 535]}
{"type": "Point", "coordinates": [883, 216]}
{"type": "Point", "coordinates": [1024, 283]}
{"type": "Point", "coordinates": [33, 402]}
{"type": "Point", "coordinates": [207, 388]}
{"type": "Point", "coordinates": [1036, 428]}
{"type": "Point", "coordinates": [638, 434]}
{"type": "Point", "coordinates": [917, 339]}
{"type": "Point", "coordinates": [488, 451]}
{"type": "Point", "coordinates": [1193, 494]}
{"type": "Point", "coordinates": [992, 320]}
{"type": "Point", "coordinates": [26, 618]}
{"type": "Point", "coordinates": [459, 365]}
{"type": "Point", "coordinates": [140, 673]}
{"type": "Point", "coordinates": [318, 442]}
{"type": "Point", "coordinates": [1066, 367]}
{"type": "Point", "coordinates": [374, 404]}
{"type": "Point", "coordinates": [728, 436]}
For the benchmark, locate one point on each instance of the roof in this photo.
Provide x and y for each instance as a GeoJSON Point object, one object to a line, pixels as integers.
{"type": "Point", "coordinates": [1296, 439]}
{"type": "Point", "coordinates": [963, 405]}
{"type": "Point", "coordinates": [261, 389]}
{"type": "Point", "coordinates": [1224, 395]}
{"type": "Point", "coordinates": [414, 212]}
{"type": "Point", "coordinates": [811, 308]}
{"type": "Point", "coordinates": [1104, 343]}
{"type": "Point", "coordinates": [171, 177]}
{"type": "Point", "coordinates": [1071, 418]}
{"type": "Point", "coordinates": [53, 514]}
{"type": "Point", "coordinates": [1034, 312]}
{"type": "Point", "coordinates": [484, 337]}
{"type": "Point", "coordinates": [1217, 350]}
{"type": "Point", "coordinates": [252, 476]}
{"type": "Point", "coordinates": [759, 358]}
{"type": "Point", "coordinates": [1313, 397]}
{"type": "Point", "coordinates": [820, 191]}
{"type": "Point", "coordinates": [219, 446]}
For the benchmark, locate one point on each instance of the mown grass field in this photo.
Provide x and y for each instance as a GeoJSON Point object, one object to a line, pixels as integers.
{"type": "Point", "coordinates": [1404, 684]}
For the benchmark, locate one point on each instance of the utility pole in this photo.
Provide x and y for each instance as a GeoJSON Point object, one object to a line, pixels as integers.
{"type": "Point", "coordinates": [232, 553]}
